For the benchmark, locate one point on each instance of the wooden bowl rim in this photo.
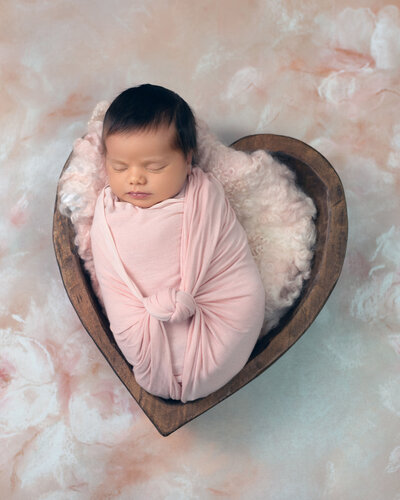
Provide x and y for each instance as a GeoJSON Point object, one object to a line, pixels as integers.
{"type": "Point", "coordinates": [169, 415]}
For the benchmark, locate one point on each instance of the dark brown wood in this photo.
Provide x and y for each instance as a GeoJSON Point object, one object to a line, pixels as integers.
{"type": "Point", "coordinates": [319, 180]}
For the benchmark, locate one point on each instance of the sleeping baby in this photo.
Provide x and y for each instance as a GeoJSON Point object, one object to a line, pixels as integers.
{"type": "Point", "coordinates": [181, 289]}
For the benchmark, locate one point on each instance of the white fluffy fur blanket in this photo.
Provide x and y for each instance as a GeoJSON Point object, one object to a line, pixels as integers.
{"type": "Point", "coordinates": [275, 213]}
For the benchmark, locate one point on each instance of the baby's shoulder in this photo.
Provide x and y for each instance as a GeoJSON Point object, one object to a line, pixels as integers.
{"type": "Point", "coordinates": [208, 180]}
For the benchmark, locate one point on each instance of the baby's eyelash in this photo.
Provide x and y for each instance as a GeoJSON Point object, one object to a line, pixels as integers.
{"type": "Point", "coordinates": [158, 168]}
{"type": "Point", "coordinates": [151, 169]}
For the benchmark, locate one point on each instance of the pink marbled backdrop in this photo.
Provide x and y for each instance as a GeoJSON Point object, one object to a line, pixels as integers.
{"type": "Point", "coordinates": [324, 421]}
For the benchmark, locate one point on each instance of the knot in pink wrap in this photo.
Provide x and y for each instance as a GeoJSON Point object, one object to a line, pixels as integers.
{"type": "Point", "coordinates": [181, 289]}
{"type": "Point", "coordinates": [170, 304]}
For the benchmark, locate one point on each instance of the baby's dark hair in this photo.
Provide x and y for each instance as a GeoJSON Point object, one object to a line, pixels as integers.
{"type": "Point", "coordinates": [148, 106]}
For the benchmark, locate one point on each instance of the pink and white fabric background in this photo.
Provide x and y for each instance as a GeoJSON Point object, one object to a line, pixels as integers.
{"type": "Point", "coordinates": [324, 421]}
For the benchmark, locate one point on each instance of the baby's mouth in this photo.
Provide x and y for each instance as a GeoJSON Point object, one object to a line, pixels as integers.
{"type": "Point", "coordinates": [138, 194]}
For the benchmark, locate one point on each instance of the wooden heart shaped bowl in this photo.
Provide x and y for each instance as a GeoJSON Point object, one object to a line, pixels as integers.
{"type": "Point", "coordinates": [318, 180]}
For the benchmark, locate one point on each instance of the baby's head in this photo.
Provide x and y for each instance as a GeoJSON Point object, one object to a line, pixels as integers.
{"type": "Point", "coordinates": [149, 141]}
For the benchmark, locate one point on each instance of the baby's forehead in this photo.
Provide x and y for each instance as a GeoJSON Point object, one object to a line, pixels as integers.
{"type": "Point", "coordinates": [154, 148]}
{"type": "Point", "coordinates": [158, 141]}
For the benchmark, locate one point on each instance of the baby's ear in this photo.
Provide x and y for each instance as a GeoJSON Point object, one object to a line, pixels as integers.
{"type": "Point", "coordinates": [190, 157]}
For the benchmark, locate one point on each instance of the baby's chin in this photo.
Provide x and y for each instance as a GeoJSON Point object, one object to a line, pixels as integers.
{"type": "Point", "coordinates": [149, 200]}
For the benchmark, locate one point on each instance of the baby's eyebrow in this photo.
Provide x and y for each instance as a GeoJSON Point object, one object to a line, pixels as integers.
{"type": "Point", "coordinates": [116, 161]}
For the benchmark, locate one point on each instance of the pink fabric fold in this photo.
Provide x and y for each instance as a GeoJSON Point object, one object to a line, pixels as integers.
{"type": "Point", "coordinates": [181, 289]}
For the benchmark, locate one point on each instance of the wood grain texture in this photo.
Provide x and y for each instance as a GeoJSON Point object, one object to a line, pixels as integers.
{"type": "Point", "coordinates": [318, 179]}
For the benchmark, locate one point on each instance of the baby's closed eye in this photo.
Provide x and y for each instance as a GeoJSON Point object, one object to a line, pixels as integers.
{"type": "Point", "coordinates": [155, 169]}
{"type": "Point", "coordinates": [151, 169]}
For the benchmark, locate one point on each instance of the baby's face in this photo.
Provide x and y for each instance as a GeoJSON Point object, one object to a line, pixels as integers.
{"type": "Point", "coordinates": [145, 162]}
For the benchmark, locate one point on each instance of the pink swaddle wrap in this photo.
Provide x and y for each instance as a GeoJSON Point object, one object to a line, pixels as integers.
{"type": "Point", "coordinates": [181, 289]}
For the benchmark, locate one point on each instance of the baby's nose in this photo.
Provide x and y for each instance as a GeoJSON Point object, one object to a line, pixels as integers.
{"type": "Point", "coordinates": [136, 175]}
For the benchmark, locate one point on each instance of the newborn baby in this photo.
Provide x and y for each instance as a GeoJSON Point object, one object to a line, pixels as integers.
{"type": "Point", "coordinates": [182, 292]}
